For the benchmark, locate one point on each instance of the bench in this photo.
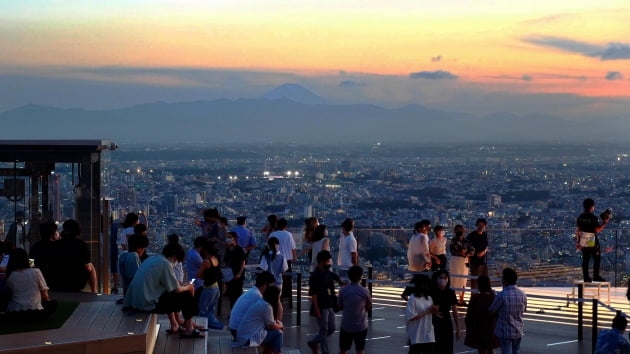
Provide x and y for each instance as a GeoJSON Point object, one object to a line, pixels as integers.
{"type": "Point", "coordinates": [592, 290]}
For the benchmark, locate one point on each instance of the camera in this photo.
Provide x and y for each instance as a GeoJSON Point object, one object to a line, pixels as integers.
{"type": "Point", "coordinates": [606, 214]}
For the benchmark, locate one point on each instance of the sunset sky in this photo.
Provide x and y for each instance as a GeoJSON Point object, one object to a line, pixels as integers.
{"type": "Point", "coordinates": [566, 58]}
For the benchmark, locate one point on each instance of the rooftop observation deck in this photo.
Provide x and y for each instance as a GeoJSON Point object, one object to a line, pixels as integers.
{"type": "Point", "coordinates": [551, 326]}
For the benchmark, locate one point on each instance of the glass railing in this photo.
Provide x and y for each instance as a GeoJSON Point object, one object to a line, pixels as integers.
{"type": "Point", "coordinates": [542, 257]}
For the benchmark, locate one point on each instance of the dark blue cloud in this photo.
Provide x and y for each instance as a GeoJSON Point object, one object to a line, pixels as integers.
{"type": "Point", "coordinates": [611, 51]}
{"type": "Point", "coordinates": [558, 76]}
{"type": "Point", "coordinates": [614, 75]}
{"type": "Point", "coordinates": [526, 77]}
{"type": "Point", "coordinates": [616, 51]}
{"type": "Point", "coordinates": [351, 84]}
{"type": "Point", "coordinates": [433, 75]}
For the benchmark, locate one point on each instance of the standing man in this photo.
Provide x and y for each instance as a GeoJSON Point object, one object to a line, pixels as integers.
{"type": "Point", "coordinates": [478, 261]}
{"type": "Point", "coordinates": [354, 300]}
{"type": "Point", "coordinates": [348, 253]}
{"type": "Point", "coordinates": [287, 243]}
{"type": "Point", "coordinates": [287, 249]}
{"type": "Point", "coordinates": [509, 305]}
{"type": "Point", "coordinates": [235, 260]}
{"type": "Point", "coordinates": [17, 231]}
{"type": "Point", "coordinates": [246, 238]}
{"type": "Point", "coordinates": [210, 225]}
{"type": "Point", "coordinates": [418, 254]}
{"type": "Point", "coordinates": [588, 227]}
{"type": "Point", "coordinates": [321, 288]}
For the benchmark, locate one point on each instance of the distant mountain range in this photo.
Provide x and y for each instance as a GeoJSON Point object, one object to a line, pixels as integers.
{"type": "Point", "coordinates": [291, 113]}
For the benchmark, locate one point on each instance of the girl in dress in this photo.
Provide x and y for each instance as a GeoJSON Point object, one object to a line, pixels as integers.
{"type": "Point", "coordinates": [479, 321]}
{"type": "Point", "coordinates": [444, 297]}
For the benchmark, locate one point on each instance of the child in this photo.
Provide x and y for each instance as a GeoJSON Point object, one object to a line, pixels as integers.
{"type": "Point", "coordinates": [129, 262]}
{"type": "Point", "coordinates": [437, 247]}
{"type": "Point", "coordinates": [273, 261]}
{"type": "Point", "coordinates": [419, 314]}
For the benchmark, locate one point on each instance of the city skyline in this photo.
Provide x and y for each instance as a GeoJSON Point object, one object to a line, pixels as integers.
{"type": "Point", "coordinates": [566, 59]}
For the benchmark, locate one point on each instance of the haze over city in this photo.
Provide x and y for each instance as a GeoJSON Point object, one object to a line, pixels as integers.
{"type": "Point", "coordinates": [560, 60]}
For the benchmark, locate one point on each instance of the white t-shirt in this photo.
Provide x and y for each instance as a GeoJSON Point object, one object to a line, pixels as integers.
{"type": "Point", "coordinates": [438, 246]}
{"type": "Point", "coordinates": [254, 324]}
{"type": "Point", "coordinates": [287, 243]}
{"type": "Point", "coordinates": [123, 236]}
{"type": "Point", "coordinates": [276, 267]}
{"type": "Point", "coordinates": [347, 245]}
{"type": "Point", "coordinates": [420, 330]}
{"type": "Point", "coordinates": [26, 286]}
{"type": "Point", "coordinates": [417, 252]}
{"type": "Point", "coordinates": [244, 302]}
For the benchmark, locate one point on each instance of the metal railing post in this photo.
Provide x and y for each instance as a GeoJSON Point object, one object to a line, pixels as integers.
{"type": "Point", "coordinates": [370, 277]}
{"type": "Point", "coordinates": [299, 298]}
{"type": "Point", "coordinates": [580, 311]}
{"type": "Point", "coordinates": [594, 326]}
{"type": "Point", "coordinates": [616, 251]}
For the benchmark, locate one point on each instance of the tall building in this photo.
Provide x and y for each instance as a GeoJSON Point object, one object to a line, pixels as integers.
{"type": "Point", "coordinates": [494, 200]}
{"type": "Point", "coordinates": [308, 211]}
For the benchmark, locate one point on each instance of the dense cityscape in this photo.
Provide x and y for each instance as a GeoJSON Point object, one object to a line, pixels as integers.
{"type": "Point", "coordinates": [529, 194]}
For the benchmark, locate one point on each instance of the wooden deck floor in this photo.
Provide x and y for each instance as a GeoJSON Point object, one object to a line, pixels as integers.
{"type": "Point", "coordinates": [172, 343]}
{"type": "Point", "coordinates": [97, 326]}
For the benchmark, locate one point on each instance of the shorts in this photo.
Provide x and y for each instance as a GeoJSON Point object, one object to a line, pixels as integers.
{"type": "Point", "coordinates": [346, 339]}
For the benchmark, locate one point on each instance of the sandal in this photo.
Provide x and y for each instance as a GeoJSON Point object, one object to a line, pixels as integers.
{"type": "Point", "coordinates": [194, 334]}
{"type": "Point", "coordinates": [200, 328]}
{"type": "Point", "coordinates": [170, 331]}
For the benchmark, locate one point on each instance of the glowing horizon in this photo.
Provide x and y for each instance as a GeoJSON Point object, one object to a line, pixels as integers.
{"type": "Point", "coordinates": [562, 47]}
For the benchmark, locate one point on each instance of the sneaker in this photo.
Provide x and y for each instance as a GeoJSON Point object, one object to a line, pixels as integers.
{"type": "Point", "coordinates": [598, 278]}
{"type": "Point", "coordinates": [588, 280]}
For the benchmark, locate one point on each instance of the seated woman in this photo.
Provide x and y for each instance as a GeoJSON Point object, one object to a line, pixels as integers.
{"type": "Point", "coordinates": [29, 292]}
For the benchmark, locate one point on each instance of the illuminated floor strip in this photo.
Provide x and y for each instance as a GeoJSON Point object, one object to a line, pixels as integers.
{"type": "Point", "coordinates": [375, 338]}
{"type": "Point", "coordinates": [567, 342]}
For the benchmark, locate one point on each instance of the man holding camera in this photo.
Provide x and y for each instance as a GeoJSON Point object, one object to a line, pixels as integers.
{"type": "Point", "coordinates": [588, 226]}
